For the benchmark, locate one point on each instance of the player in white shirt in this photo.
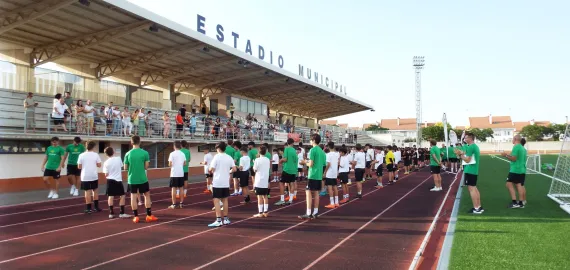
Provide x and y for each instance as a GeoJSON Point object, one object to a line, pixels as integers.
{"type": "Point", "coordinates": [300, 167]}
{"type": "Point", "coordinates": [244, 164]}
{"type": "Point", "coordinates": [359, 164]}
{"type": "Point", "coordinates": [261, 183]}
{"type": "Point", "coordinates": [207, 160]}
{"type": "Point", "coordinates": [88, 162]}
{"type": "Point", "coordinates": [112, 168]}
{"type": "Point", "coordinates": [369, 159]}
{"type": "Point", "coordinates": [275, 165]}
{"type": "Point", "coordinates": [304, 154]}
{"type": "Point", "coordinates": [58, 114]}
{"type": "Point", "coordinates": [221, 167]}
{"type": "Point", "coordinates": [398, 156]}
{"type": "Point", "coordinates": [331, 175]}
{"type": "Point", "coordinates": [177, 161]}
{"type": "Point", "coordinates": [343, 170]}
{"type": "Point", "coordinates": [377, 163]}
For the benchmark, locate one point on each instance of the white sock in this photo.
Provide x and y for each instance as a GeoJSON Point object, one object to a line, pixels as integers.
{"type": "Point", "coordinates": [260, 208]}
{"type": "Point", "coordinates": [360, 192]}
{"type": "Point", "coordinates": [315, 211]}
{"type": "Point", "coordinates": [331, 199]}
{"type": "Point", "coordinates": [283, 197]}
{"type": "Point", "coordinates": [240, 190]}
{"type": "Point", "coordinates": [178, 192]}
{"type": "Point", "coordinates": [210, 187]}
{"type": "Point", "coordinates": [308, 212]}
{"type": "Point", "coordinates": [290, 199]}
{"type": "Point", "coordinates": [265, 208]}
{"type": "Point", "coordinates": [335, 199]}
{"type": "Point", "coordinates": [185, 191]}
{"type": "Point", "coordinates": [295, 193]}
{"type": "Point", "coordinates": [221, 204]}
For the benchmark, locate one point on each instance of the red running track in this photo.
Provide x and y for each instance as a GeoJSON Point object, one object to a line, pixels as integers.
{"type": "Point", "coordinates": [381, 231]}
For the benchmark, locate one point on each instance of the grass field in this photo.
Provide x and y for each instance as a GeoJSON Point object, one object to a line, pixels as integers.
{"type": "Point", "coordinates": [536, 237]}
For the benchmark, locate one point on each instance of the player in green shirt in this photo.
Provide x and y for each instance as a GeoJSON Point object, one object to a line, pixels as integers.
{"type": "Point", "coordinates": [444, 157]}
{"type": "Point", "coordinates": [290, 162]}
{"type": "Point", "coordinates": [186, 153]}
{"type": "Point", "coordinates": [471, 171]}
{"type": "Point", "coordinates": [317, 161]}
{"type": "Point", "coordinates": [51, 166]}
{"type": "Point", "coordinates": [435, 165]}
{"type": "Point", "coordinates": [236, 156]}
{"type": "Point", "coordinates": [72, 153]}
{"type": "Point", "coordinates": [452, 159]}
{"type": "Point", "coordinates": [517, 172]}
{"type": "Point", "coordinates": [252, 154]}
{"type": "Point", "coordinates": [136, 164]}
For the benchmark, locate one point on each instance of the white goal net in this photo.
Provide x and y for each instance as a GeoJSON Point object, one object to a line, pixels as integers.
{"type": "Point", "coordinates": [560, 187]}
{"type": "Point", "coordinates": [533, 165]}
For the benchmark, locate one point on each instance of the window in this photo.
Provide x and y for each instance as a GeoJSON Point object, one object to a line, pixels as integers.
{"type": "Point", "coordinates": [263, 108]}
{"type": "Point", "coordinates": [235, 101]}
{"type": "Point", "coordinates": [243, 106]}
{"type": "Point", "coordinates": [250, 106]}
{"type": "Point", "coordinates": [257, 108]}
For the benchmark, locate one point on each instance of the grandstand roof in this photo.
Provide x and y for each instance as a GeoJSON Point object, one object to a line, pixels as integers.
{"type": "Point", "coordinates": [119, 37]}
{"type": "Point", "coordinates": [490, 122]}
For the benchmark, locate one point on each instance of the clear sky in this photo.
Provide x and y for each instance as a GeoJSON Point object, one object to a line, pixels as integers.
{"type": "Point", "coordinates": [482, 57]}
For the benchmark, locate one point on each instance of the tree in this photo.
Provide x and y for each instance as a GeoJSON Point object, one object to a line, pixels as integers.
{"type": "Point", "coordinates": [433, 133]}
{"type": "Point", "coordinates": [533, 132]}
{"type": "Point", "coordinates": [482, 134]}
{"type": "Point", "coordinates": [375, 128]}
{"type": "Point", "coordinates": [557, 130]}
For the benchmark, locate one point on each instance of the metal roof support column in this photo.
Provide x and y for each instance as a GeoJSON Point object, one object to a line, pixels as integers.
{"type": "Point", "coordinates": [129, 96]}
{"type": "Point", "coordinates": [172, 95]}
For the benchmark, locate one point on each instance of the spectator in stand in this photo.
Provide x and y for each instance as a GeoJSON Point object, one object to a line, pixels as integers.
{"type": "Point", "coordinates": [101, 115]}
{"type": "Point", "coordinates": [58, 113]}
{"type": "Point", "coordinates": [69, 103]}
{"type": "Point", "coordinates": [179, 125]}
{"type": "Point", "coordinates": [183, 111]}
{"type": "Point", "coordinates": [127, 122]}
{"type": "Point", "coordinates": [346, 136]}
{"type": "Point", "coordinates": [89, 113]}
{"type": "Point", "coordinates": [142, 123]}
{"type": "Point", "coordinates": [194, 106]}
{"type": "Point", "coordinates": [79, 117]}
{"type": "Point", "coordinates": [355, 138]}
{"type": "Point", "coordinates": [135, 117]}
{"type": "Point", "coordinates": [288, 125]}
{"type": "Point", "coordinates": [148, 123]}
{"type": "Point", "coordinates": [117, 121]}
{"type": "Point", "coordinates": [109, 117]}
{"type": "Point", "coordinates": [232, 109]}
{"type": "Point", "coordinates": [217, 127]}
{"type": "Point", "coordinates": [207, 123]}
{"type": "Point", "coordinates": [204, 109]}
{"type": "Point", "coordinates": [166, 123]}
{"type": "Point", "coordinates": [30, 111]}
{"type": "Point", "coordinates": [192, 125]}
{"type": "Point", "coordinates": [56, 99]}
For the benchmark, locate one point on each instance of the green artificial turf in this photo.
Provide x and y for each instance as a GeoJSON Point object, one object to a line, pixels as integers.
{"type": "Point", "coordinates": [536, 237]}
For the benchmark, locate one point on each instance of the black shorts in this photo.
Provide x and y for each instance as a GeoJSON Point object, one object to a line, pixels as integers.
{"type": "Point", "coordinates": [358, 174]}
{"type": "Point", "coordinates": [287, 178]}
{"type": "Point", "coordinates": [53, 173]}
{"type": "Point", "coordinates": [415, 161]}
{"type": "Point", "coordinates": [179, 127]}
{"type": "Point", "coordinates": [390, 167]}
{"type": "Point", "coordinates": [235, 175]}
{"type": "Point", "coordinates": [115, 188]}
{"type": "Point", "coordinates": [407, 162]}
{"type": "Point", "coordinates": [445, 160]}
{"type": "Point", "coordinates": [368, 163]}
{"type": "Point", "coordinates": [470, 179]}
{"type": "Point", "coordinates": [57, 121]}
{"type": "Point", "coordinates": [89, 185]}
{"type": "Point", "coordinates": [73, 170]}
{"type": "Point", "coordinates": [251, 172]}
{"type": "Point", "coordinates": [243, 178]}
{"type": "Point", "coordinates": [299, 169]}
{"type": "Point", "coordinates": [331, 182]}
{"type": "Point", "coordinates": [343, 177]}
{"type": "Point", "coordinates": [314, 185]}
{"type": "Point", "coordinates": [176, 182]}
{"type": "Point", "coordinates": [208, 175]}
{"type": "Point", "coordinates": [138, 188]}
{"type": "Point", "coordinates": [66, 114]}
{"type": "Point", "coordinates": [220, 193]}
{"type": "Point", "coordinates": [186, 176]}
{"type": "Point", "coordinates": [262, 191]}
{"type": "Point", "coordinates": [454, 160]}
{"type": "Point", "coordinates": [435, 169]}
{"type": "Point", "coordinates": [275, 167]}
{"type": "Point", "coordinates": [379, 170]}
{"type": "Point", "coordinates": [516, 178]}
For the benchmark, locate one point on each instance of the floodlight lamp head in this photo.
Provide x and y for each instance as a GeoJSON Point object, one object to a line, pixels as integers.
{"type": "Point", "coordinates": [85, 2]}
{"type": "Point", "coordinates": [206, 49]}
{"type": "Point", "coordinates": [153, 28]}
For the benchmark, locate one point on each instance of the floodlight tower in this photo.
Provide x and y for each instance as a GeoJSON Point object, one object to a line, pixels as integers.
{"type": "Point", "coordinates": [418, 64]}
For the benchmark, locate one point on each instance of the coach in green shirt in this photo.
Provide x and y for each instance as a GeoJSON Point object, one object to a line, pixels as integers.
{"type": "Point", "coordinates": [471, 171]}
{"type": "Point", "coordinates": [517, 172]}
{"type": "Point", "coordinates": [136, 163]}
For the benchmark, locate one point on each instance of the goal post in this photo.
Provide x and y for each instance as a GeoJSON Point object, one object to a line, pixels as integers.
{"type": "Point", "coordinates": [560, 187]}
{"type": "Point", "coordinates": [533, 164]}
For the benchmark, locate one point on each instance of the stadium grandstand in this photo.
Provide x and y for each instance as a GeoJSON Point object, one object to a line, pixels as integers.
{"type": "Point", "coordinates": [114, 51]}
